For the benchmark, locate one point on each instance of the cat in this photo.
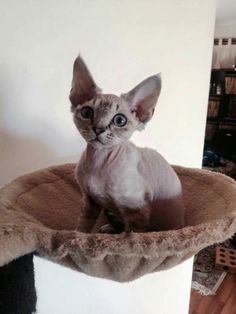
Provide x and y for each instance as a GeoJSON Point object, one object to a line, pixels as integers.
{"type": "Point", "coordinates": [136, 187]}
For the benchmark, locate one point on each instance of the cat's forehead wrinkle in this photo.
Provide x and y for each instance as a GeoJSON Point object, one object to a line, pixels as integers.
{"type": "Point", "coordinates": [108, 98]}
{"type": "Point", "coordinates": [105, 104]}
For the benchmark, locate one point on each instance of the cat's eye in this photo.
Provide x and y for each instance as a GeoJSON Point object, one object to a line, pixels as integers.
{"type": "Point", "coordinates": [86, 112]}
{"type": "Point", "coordinates": [119, 120]}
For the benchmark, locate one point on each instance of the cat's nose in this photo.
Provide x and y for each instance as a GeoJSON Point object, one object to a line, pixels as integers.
{"type": "Point", "coordinates": [98, 131]}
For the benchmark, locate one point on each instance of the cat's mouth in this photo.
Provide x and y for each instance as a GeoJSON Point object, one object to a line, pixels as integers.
{"type": "Point", "coordinates": [97, 140]}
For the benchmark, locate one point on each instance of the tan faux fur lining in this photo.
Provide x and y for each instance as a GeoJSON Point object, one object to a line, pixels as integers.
{"type": "Point", "coordinates": [38, 212]}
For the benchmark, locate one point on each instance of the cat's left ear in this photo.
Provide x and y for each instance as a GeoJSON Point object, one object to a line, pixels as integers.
{"type": "Point", "coordinates": [143, 98]}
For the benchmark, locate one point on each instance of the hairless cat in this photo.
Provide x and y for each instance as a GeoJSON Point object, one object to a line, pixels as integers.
{"type": "Point", "coordinates": [136, 187]}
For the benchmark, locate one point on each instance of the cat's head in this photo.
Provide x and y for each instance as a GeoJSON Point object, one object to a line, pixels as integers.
{"type": "Point", "coordinates": [107, 120]}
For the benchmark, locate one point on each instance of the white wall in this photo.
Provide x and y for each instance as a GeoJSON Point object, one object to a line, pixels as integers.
{"type": "Point", "coordinates": [122, 42]}
{"type": "Point", "coordinates": [225, 18]}
{"type": "Point", "coordinates": [225, 25]}
{"type": "Point", "coordinates": [225, 28]}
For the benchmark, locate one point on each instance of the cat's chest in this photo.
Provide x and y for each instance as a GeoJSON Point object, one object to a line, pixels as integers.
{"type": "Point", "coordinates": [118, 183]}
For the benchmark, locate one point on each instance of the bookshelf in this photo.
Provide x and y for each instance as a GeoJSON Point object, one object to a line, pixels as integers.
{"type": "Point", "coordinates": [220, 133]}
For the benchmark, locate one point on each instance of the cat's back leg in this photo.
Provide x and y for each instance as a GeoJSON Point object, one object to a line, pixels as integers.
{"type": "Point", "coordinates": [168, 214]}
{"type": "Point", "coordinates": [88, 215]}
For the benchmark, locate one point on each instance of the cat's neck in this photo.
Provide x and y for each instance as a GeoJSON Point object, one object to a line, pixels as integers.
{"type": "Point", "coordinates": [105, 153]}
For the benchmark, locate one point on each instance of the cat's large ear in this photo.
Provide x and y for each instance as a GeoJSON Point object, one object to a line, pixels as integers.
{"type": "Point", "coordinates": [143, 98]}
{"type": "Point", "coordinates": [83, 86]}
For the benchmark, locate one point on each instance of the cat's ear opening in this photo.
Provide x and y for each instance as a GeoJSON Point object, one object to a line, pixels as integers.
{"type": "Point", "coordinates": [143, 98]}
{"type": "Point", "coordinates": [83, 86]}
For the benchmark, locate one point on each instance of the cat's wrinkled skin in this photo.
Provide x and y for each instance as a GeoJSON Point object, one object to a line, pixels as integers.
{"type": "Point", "coordinates": [136, 185]}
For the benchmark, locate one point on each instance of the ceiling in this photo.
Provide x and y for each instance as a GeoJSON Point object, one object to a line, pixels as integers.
{"type": "Point", "coordinates": [226, 10]}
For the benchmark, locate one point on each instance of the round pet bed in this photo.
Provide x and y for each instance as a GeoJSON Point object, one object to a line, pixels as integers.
{"type": "Point", "coordinates": [38, 213]}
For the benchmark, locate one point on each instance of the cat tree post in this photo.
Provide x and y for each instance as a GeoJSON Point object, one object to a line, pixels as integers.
{"type": "Point", "coordinates": [17, 286]}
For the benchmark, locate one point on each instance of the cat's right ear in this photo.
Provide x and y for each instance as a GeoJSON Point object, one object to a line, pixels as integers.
{"type": "Point", "coordinates": [83, 86]}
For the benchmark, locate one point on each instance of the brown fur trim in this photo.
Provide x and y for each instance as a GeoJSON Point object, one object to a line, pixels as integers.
{"type": "Point", "coordinates": [39, 212]}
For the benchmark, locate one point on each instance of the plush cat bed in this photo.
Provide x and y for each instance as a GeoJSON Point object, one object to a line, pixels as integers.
{"type": "Point", "coordinates": [38, 213]}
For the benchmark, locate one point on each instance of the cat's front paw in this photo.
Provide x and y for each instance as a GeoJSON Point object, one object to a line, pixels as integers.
{"type": "Point", "coordinates": [107, 229]}
{"type": "Point", "coordinates": [115, 222]}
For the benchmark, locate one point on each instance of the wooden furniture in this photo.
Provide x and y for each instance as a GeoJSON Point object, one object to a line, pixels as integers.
{"type": "Point", "coordinates": [221, 117]}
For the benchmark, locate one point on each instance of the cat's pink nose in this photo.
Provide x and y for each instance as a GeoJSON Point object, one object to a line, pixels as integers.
{"type": "Point", "coordinates": [98, 131]}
